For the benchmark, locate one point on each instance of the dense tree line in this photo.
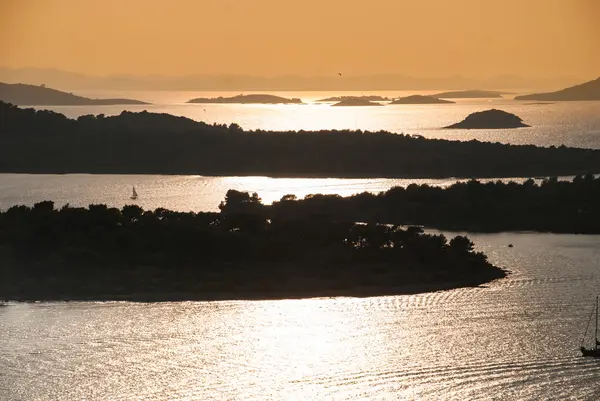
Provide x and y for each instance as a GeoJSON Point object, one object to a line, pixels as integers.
{"type": "Point", "coordinates": [47, 142]}
{"type": "Point", "coordinates": [552, 206]}
{"type": "Point", "coordinates": [107, 253]}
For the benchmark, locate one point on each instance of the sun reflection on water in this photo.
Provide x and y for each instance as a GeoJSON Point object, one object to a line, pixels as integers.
{"type": "Point", "coordinates": [301, 340]}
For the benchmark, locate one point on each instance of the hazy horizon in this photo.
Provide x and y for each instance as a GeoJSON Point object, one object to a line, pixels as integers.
{"type": "Point", "coordinates": [67, 80]}
{"type": "Point", "coordinates": [542, 39]}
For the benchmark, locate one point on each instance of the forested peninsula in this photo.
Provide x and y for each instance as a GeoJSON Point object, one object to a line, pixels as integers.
{"type": "Point", "coordinates": [549, 206]}
{"type": "Point", "coordinates": [102, 253]}
{"type": "Point", "coordinates": [148, 143]}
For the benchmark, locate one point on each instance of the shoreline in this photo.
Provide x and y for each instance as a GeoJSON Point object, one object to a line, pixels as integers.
{"type": "Point", "coordinates": [409, 289]}
{"type": "Point", "coordinates": [301, 176]}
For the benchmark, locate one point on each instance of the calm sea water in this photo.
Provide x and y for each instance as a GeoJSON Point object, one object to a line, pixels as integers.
{"type": "Point", "coordinates": [569, 123]}
{"type": "Point", "coordinates": [517, 338]}
{"type": "Point", "coordinates": [179, 192]}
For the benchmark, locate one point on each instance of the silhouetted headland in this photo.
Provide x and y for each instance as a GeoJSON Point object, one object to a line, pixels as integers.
{"type": "Point", "coordinates": [490, 119]}
{"type": "Point", "coordinates": [549, 206]}
{"type": "Point", "coordinates": [419, 99]}
{"type": "Point", "coordinates": [470, 94]}
{"type": "Point", "coordinates": [248, 99]}
{"type": "Point", "coordinates": [103, 253]}
{"type": "Point", "coordinates": [371, 98]}
{"type": "Point", "coordinates": [149, 143]}
{"type": "Point", "coordinates": [32, 95]}
{"type": "Point", "coordinates": [356, 102]}
{"type": "Point", "coordinates": [586, 91]}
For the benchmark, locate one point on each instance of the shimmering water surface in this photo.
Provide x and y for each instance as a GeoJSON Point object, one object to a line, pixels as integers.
{"type": "Point", "coordinates": [569, 123]}
{"type": "Point", "coordinates": [516, 338]}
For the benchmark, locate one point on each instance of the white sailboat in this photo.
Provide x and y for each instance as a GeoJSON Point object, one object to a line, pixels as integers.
{"type": "Point", "coordinates": [594, 350]}
{"type": "Point", "coordinates": [134, 194]}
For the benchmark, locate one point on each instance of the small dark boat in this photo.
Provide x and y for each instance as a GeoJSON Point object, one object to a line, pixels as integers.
{"type": "Point", "coordinates": [592, 351]}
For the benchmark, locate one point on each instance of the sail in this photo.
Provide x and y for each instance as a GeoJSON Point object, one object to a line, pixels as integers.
{"type": "Point", "coordinates": [134, 193]}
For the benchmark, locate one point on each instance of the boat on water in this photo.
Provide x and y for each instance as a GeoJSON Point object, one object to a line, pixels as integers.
{"type": "Point", "coordinates": [134, 194]}
{"type": "Point", "coordinates": [593, 351]}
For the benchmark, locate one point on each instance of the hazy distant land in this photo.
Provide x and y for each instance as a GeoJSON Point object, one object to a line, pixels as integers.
{"type": "Point", "coordinates": [103, 253]}
{"type": "Point", "coordinates": [419, 99]}
{"type": "Point", "coordinates": [216, 82]}
{"type": "Point", "coordinates": [31, 95]}
{"type": "Point", "coordinates": [248, 99]}
{"type": "Point", "coordinates": [490, 119]}
{"type": "Point", "coordinates": [586, 91]}
{"type": "Point", "coordinates": [470, 94]}
{"type": "Point", "coordinates": [371, 98]}
{"type": "Point", "coordinates": [149, 143]}
{"type": "Point", "coordinates": [350, 102]}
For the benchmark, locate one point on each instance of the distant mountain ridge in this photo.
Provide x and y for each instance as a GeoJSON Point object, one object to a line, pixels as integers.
{"type": "Point", "coordinates": [585, 91]}
{"type": "Point", "coordinates": [32, 95]}
{"type": "Point", "coordinates": [64, 79]}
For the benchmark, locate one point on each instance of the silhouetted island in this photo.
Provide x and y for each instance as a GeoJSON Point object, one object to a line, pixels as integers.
{"type": "Point", "coordinates": [355, 102]}
{"type": "Point", "coordinates": [32, 95]}
{"type": "Point", "coordinates": [550, 206]}
{"type": "Point", "coordinates": [470, 94]}
{"type": "Point", "coordinates": [103, 253]}
{"type": "Point", "coordinates": [490, 119]}
{"type": "Point", "coordinates": [39, 141]}
{"type": "Point", "coordinates": [419, 99]}
{"type": "Point", "coordinates": [586, 91]}
{"type": "Point", "coordinates": [371, 98]}
{"type": "Point", "coordinates": [248, 99]}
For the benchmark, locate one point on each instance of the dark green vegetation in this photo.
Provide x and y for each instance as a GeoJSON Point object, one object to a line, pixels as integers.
{"type": "Point", "coordinates": [418, 99]}
{"type": "Point", "coordinates": [586, 91]}
{"type": "Point", "coordinates": [248, 99]}
{"type": "Point", "coordinates": [553, 206]}
{"type": "Point", "coordinates": [148, 143]}
{"type": "Point", "coordinates": [490, 119]}
{"type": "Point", "coordinates": [32, 95]}
{"type": "Point", "coordinates": [371, 98]}
{"type": "Point", "coordinates": [356, 102]}
{"type": "Point", "coordinates": [108, 254]}
{"type": "Point", "coordinates": [469, 94]}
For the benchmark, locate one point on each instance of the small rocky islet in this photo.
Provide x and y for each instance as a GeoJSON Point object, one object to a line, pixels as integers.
{"type": "Point", "coordinates": [489, 119]}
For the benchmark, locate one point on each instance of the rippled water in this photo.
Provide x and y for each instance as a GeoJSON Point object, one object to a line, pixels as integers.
{"type": "Point", "coordinates": [516, 339]}
{"type": "Point", "coordinates": [569, 123]}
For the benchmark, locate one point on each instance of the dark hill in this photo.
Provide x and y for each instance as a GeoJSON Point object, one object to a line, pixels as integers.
{"type": "Point", "coordinates": [490, 119]}
{"type": "Point", "coordinates": [32, 95]}
{"type": "Point", "coordinates": [470, 94]}
{"type": "Point", "coordinates": [147, 143]}
{"type": "Point", "coordinates": [586, 91]}
{"type": "Point", "coordinates": [248, 99]}
{"type": "Point", "coordinates": [419, 99]}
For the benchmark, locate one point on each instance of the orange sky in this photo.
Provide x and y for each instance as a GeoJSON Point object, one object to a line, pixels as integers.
{"type": "Point", "coordinates": [476, 38]}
